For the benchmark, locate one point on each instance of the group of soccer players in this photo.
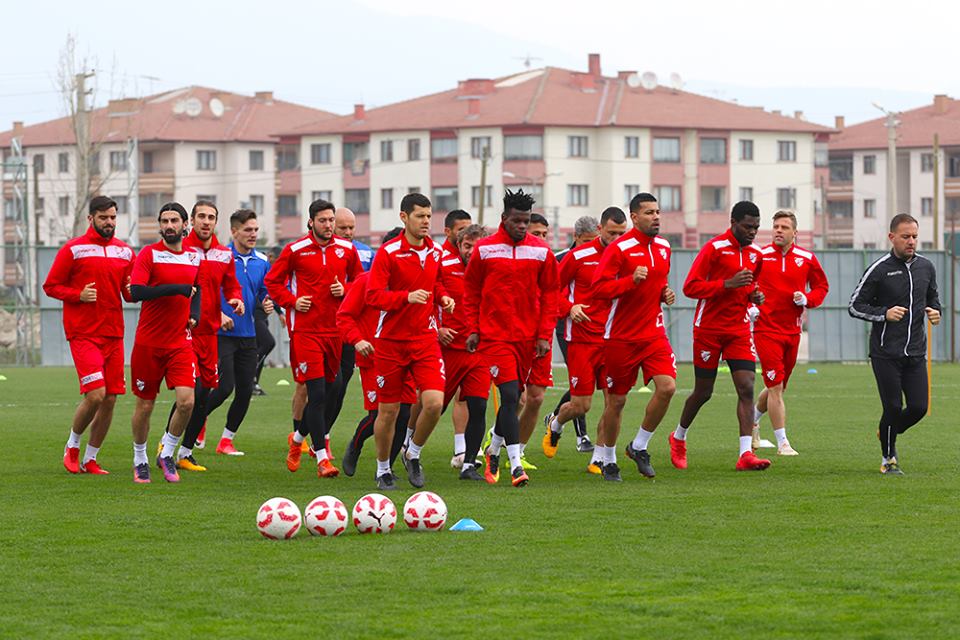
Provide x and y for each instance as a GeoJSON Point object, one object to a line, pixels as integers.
{"type": "Point", "coordinates": [429, 326]}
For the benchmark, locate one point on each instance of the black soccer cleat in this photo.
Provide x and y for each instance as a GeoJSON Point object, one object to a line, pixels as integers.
{"type": "Point", "coordinates": [584, 445]}
{"type": "Point", "coordinates": [414, 471]}
{"type": "Point", "coordinates": [642, 458]}
{"type": "Point", "coordinates": [469, 472]}
{"type": "Point", "coordinates": [385, 482]}
{"type": "Point", "coordinates": [611, 472]}
{"type": "Point", "coordinates": [350, 458]}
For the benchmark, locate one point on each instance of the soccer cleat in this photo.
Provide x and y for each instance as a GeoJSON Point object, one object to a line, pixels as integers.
{"type": "Point", "coordinates": [386, 483]}
{"type": "Point", "coordinates": [91, 467]}
{"type": "Point", "coordinates": [750, 462]}
{"type": "Point", "coordinates": [469, 472]}
{"type": "Point", "coordinates": [755, 437]}
{"type": "Point", "coordinates": [258, 390]}
{"type": "Point", "coordinates": [71, 459]}
{"type": "Point", "coordinates": [414, 471]}
{"type": "Point", "coordinates": [141, 473]}
{"type": "Point", "coordinates": [786, 450]}
{"type": "Point", "coordinates": [326, 444]}
{"type": "Point", "coordinates": [891, 468]}
{"type": "Point", "coordinates": [551, 440]}
{"type": "Point", "coordinates": [595, 467]}
{"type": "Point", "coordinates": [487, 440]}
{"type": "Point", "coordinates": [169, 468]}
{"type": "Point", "coordinates": [457, 460]}
{"type": "Point", "coordinates": [225, 447]}
{"type": "Point", "coordinates": [350, 458]}
{"type": "Point", "coordinates": [160, 447]}
{"type": "Point", "coordinates": [202, 438]}
{"type": "Point", "coordinates": [611, 472]}
{"type": "Point", "coordinates": [519, 477]}
{"type": "Point", "coordinates": [584, 445]}
{"type": "Point", "coordinates": [642, 458]}
{"type": "Point", "coordinates": [306, 448]}
{"type": "Point", "coordinates": [678, 452]}
{"type": "Point", "coordinates": [190, 464]}
{"type": "Point", "coordinates": [526, 464]}
{"type": "Point", "coordinates": [491, 467]}
{"type": "Point", "coordinates": [325, 469]}
{"type": "Point", "coordinates": [293, 454]}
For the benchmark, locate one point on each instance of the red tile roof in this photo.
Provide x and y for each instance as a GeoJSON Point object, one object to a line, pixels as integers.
{"type": "Point", "coordinates": [916, 129]}
{"type": "Point", "coordinates": [153, 118]}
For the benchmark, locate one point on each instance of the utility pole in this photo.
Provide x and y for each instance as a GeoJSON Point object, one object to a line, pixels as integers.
{"type": "Point", "coordinates": [936, 191]}
{"type": "Point", "coordinates": [891, 124]}
{"type": "Point", "coordinates": [826, 214]}
{"type": "Point", "coordinates": [82, 130]}
{"type": "Point", "coordinates": [133, 188]}
{"type": "Point", "coordinates": [484, 159]}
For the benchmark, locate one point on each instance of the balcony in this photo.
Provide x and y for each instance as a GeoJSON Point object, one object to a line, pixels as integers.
{"type": "Point", "coordinates": [158, 182]}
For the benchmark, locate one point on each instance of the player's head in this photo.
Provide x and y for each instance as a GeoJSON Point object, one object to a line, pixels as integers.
{"type": "Point", "coordinates": [903, 235]}
{"type": "Point", "coordinates": [390, 235]}
{"type": "Point", "coordinates": [203, 217]}
{"type": "Point", "coordinates": [585, 230]}
{"type": "Point", "coordinates": [322, 215]}
{"type": "Point", "coordinates": [173, 222]}
{"type": "Point", "coordinates": [538, 226]}
{"type": "Point", "coordinates": [102, 216]}
{"type": "Point", "coordinates": [467, 239]}
{"type": "Point", "coordinates": [784, 228]}
{"type": "Point", "coordinates": [613, 224]}
{"type": "Point", "coordinates": [415, 213]}
{"type": "Point", "coordinates": [244, 228]}
{"type": "Point", "coordinates": [516, 213]}
{"type": "Point", "coordinates": [645, 213]}
{"type": "Point", "coordinates": [455, 222]}
{"type": "Point", "coordinates": [344, 223]}
{"type": "Point", "coordinates": [744, 222]}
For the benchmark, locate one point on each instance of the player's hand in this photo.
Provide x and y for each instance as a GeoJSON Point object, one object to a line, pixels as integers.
{"type": "Point", "coordinates": [226, 322]}
{"type": "Point", "coordinates": [128, 286]}
{"type": "Point", "coordinates": [933, 315]}
{"type": "Point", "coordinates": [364, 348]}
{"type": "Point", "coordinates": [193, 291]}
{"type": "Point", "coordinates": [472, 341]}
{"type": "Point", "coordinates": [639, 274]}
{"type": "Point", "coordinates": [800, 298]}
{"type": "Point", "coordinates": [757, 297]}
{"type": "Point", "coordinates": [191, 323]}
{"type": "Point", "coordinates": [336, 289]}
{"type": "Point", "coordinates": [668, 296]}
{"type": "Point", "coordinates": [447, 304]}
{"type": "Point", "coordinates": [237, 305]}
{"type": "Point", "coordinates": [741, 279]}
{"type": "Point", "coordinates": [303, 303]}
{"type": "Point", "coordinates": [543, 347]}
{"type": "Point", "coordinates": [89, 293]}
{"type": "Point", "coordinates": [446, 336]}
{"type": "Point", "coordinates": [267, 306]}
{"type": "Point", "coordinates": [577, 314]}
{"type": "Point", "coordinates": [895, 314]}
{"type": "Point", "coordinates": [418, 297]}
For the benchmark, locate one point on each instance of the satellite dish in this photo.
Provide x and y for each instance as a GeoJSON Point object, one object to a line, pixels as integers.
{"type": "Point", "coordinates": [193, 107]}
{"type": "Point", "coordinates": [649, 80]}
{"type": "Point", "coordinates": [179, 106]}
{"type": "Point", "coordinates": [676, 81]}
{"type": "Point", "coordinates": [633, 80]}
{"type": "Point", "coordinates": [216, 107]}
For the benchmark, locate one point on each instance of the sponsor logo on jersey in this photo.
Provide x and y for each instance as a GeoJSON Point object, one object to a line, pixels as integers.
{"type": "Point", "coordinates": [799, 261]}
{"type": "Point", "coordinates": [309, 253]}
{"type": "Point", "coordinates": [705, 355]}
{"type": "Point", "coordinates": [895, 273]}
{"type": "Point", "coordinates": [92, 377]}
{"type": "Point", "coordinates": [381, 381]}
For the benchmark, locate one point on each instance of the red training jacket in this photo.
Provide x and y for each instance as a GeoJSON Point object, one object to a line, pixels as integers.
{"type": "Point", "coordinates": [782, 275]}
{"type": "Point", "coordinates": [356, 320]}
{"type": "Point", "coordinates": [217, 272]}
{"type": "Point", "coordinates": [164, 322]}
{"type": "Point", "coordinates": [452, 271]}
{"type": "Point", "coordinates": [577, 270]}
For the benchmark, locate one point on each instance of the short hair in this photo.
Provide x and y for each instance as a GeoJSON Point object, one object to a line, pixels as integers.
{"type": "Point", "coordinates": [518, 200]}
{"type": "Point", "coordinates": [390, 235]}
{"type": "Point", "coordinates": [241, 217]}
{"type": "Point", "coordinates": [639, 199]}
{"type": "Point", "coordinates": [205, 203]}
{"type": "Point", "coordinates": [320, 205]}
{"type": "Point", "coordinates": [743, 209]}
{"type": "Point", "coordinates": [902, 218]}
{"type": "Point", "coordinates": [173, 206]}
{"type": "Point", "coordinates": [613, 214]}
{"type": "Point", "coordinates": [473, 231]}
{"type": "Point", "coordinates": [101, 203]}
{"type": "Point", "coordinates": [536, 218]}
{"type": "Point", "coordinates": [412, 200]}
{"type": "Point", "coordinates": [454, 216]}
{"type": "Point", "coordinates": [785, 213]}
{"type": "Point", "coordinates": [584, 224]}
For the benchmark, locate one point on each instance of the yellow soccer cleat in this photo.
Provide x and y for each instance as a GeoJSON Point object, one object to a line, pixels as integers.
{"type": "Point", "coordinates": [551, 440]}
{"type": "Point", "coordinates": [595, 468]}
{"type": "Point", "coordinates": [190, 464]}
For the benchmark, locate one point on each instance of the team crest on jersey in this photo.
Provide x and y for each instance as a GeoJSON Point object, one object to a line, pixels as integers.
{"type": "Point", "coordinates": [609, 382]}
{"type": "Point", "coordinates": [372, 396]}
{"type": "Point", "coordinates": [381, 381]}
{"type": "Point", "coordinates": [705, 355]}
{"type": "Point", "coordinates": [753, 257]}
{"type": "Point", "coordinates": [663, 253]}
{"type": "Point", "coordinates": [495, 371]}
{"type": "Point", "coordinates": [573, 381]}
{"type": "Point", "coordinates": [140, 385]}
{"type": "Point", "coordinates": [771, 374]}
{"type": "Point", "coordinates": [433, 323]}
{"type": "Point", "coordinates": [303, 367]}
{"type": "Point", "coordinates": [339, 252]}
{"type": "Point", "coordinates": [799, 261]}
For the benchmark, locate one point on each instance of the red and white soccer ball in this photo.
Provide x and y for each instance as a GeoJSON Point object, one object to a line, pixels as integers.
{"type": "Point", "coordinates": [278, 519]}
{"type": "Point", "coordinates": [425, 511]}
{"type": "Point", "coordinates": [326, 516]}
{"type": "Point", "coordinates": [374, 513]}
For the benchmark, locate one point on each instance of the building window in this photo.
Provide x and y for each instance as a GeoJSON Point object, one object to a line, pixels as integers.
{"type": "Point", "coordinates": [413, 149]}
{"type": "Point", "coordinates": [926, 246]}
{"type": "Point", "coordinates": [668, 197]}
{"type": "Point", "coordinates": [255, 162]}
{"type": "Point", "coordinates": [786, 151]}
{"type": "Point", "coordinates": [208, 197]}
{"type": "Point", "coordinates": [444, 198]}
{"type": "Point", "coordinates": [150, 203]}
{"type": "Point", "coordinates": [926, 206]}
{"type": "Point", "coordinates": [787, 198]}
{"type": "Point", "coordinates": [840, 208]}
{"type": "Point", "coordinates": [357, 200]}
{"type": "Point", "coordinates": [146, 164]}
{"type": "Point", "coordinates": [870, 165]}
{"type": "Point", "coordinates": [288, 157]}
{"type": "Point", "coordinates": [926, 162]}
{"type": "Point", "coordinates": [206, 160]}
{"type": "Point", "coordinates": [746, 193]}
{"type": "Point", "coordinates": [821, 156]}
{"type": "Point", "coordinates": [666, 149]}
{"type": "Point", "coordinates": [256, 203]}
{"type": "Point", "coordinates": [356, 157]}
{"type": "Point", "coordinates": [414, 190]}
{"type": "Point", "coordinates": [63, 206]}
{"type": "Point", "coordinates": [630, 190]}
{"type": "Point", "coordinates": [443, 150]}
{"type": "Point", "coordinates": [287, 206]}
{"type": "Point", "coordinates": [38, 163]}
{"type": "Point", "coordinates": [953, 166]}
{"type": "Point", "coordinates": [746, 150]}
{"type": "Point", "coordinates": [841, 169]}
{"type": "Point", "coordinates": [477, 146]}
{"type": "Point", "coordinates": [321, 195]}
{"type": "Point", "coordinates": [118, 161]}
{"type": "Point", "coordinates": [386, 198]}
{"type": "Point", "coordinates": [93, 162]}
{"type": "Point", "coordinates": [123, 204]}
{"type": "Point", "coordinates": [713, 151]}
{"type": "Point", "coordinates": [577, 146]}
{"type": "Point", "coordinates": [386, 151]}
{"type": "Point", "coordinates": [713, 198]}
{"type": "Point", "coordinates": [63, 162]}
{"type": "Point", "coordinates": [631, 147]}
{"type": "Point", "coordinates": [475, 196]}
{"type": "Point", "coordinates": [870, 208]}
{"type": "Point", "coordinates": [869, 245]}
{"type": "Point", "coordinates": [578, 195]}
{"type": "Point", "coordinates": [523, 148]}
{"type": "Point", "coordinates": [39, 205]}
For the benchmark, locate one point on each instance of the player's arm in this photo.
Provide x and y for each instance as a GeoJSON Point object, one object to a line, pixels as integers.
{"type": "Point", "coordinates": [863, 302]}
{"type": "Point", "coordinates": [127, 272]}
{"type": "Point", "coordinates": [232, 291]}
{"type": "Point", "coordinates": [566, 272]}
{"type": "Point", "coordinates": [933, 295]}
{"type": "Point", "coordinates": [277, 278]}
{"type": "Point", "coordinates": [379, 295]}
{"type": "Point", "coordinates": [140, 276]}
{"type": "Point", "coordinates": [472, 291]}
{"type": "Point", "coordinates": [348, 315]}
{"type": "Point", "coordinates": [549, 291]}
{"type": "Point", "coordinates": [697, 285]}
{"type": "Point", "coordinates": [57, 283]}
{"type": "Point", "coordinates": [817, 283]}
{"type": "Point", "coordinates": [607, 282]}
{"type": "Point", "coordinates": [195, 306]}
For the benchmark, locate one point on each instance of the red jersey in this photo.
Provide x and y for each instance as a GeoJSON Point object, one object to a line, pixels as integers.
{"type": "Point", "coordinates": [452, 271]}
{"type": "Point", "coordinates": [398, 269]}
{"type": "Point", "coordinates": [577, 269]}
{"type": "Point", "coordinates": [510, 289]}
{"type": "Point", "coordinates": [217, 272]}
{"type": "Point", "coordinates": [310, 268]}
{"type": "Point", "coordinates": [722, 310]}
{"type": "Point", "coordinates": [447, 249]}
{"type": "Point", "coordinates": [635, 309]}
{"type": "Point", "coordinates": [164, 321]}
{"type": "Point", "coordinates": [106, 263]}
{"type": "Point", "coordinates": [782, 274]}
{"type": "Point", "coordinates": [356, 320]}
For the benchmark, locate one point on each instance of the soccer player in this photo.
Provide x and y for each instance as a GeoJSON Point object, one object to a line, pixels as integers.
{"type": "Point", "coordinates": [898, 294]}
{"type": "Point", "coordinates": [265, 340]}
{"type": "Point", "coordinates": [723, 278]}
{"type": "Point", "coordinates": [164, 278]}
{"type": "Point", "coordinates": [510, 300]}
{"type": "Point", "coordinates": [345, 226]}
{"type": "Point", "coordinates": [217, 274]}
{"type": "Point", "coordinates": [318, 267]}
{"type": "Point", "coordinates": [89, 274]}
{"type": "Point", "coordinates": [405, 286]}
{"type": "Point", "coordinates": [792, 280]}
{"type": "Point", "coordinates": [585, 320]}
{"type": "Point", "coordinates": [455, 222]}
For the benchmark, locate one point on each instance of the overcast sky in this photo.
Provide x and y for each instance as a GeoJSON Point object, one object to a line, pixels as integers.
{"type": "Point", "coordinates": [821, 57]}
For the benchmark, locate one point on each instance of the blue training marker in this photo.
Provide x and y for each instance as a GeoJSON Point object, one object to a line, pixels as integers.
{"type": "Point", "coordinates": [811, 370]}
{"type": "Point", "coordinates": [466, 524]}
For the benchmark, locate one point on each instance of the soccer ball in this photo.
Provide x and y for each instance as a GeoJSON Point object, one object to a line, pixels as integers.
{"type": "Point", "coordinates": [325, 516]}
{"type": "Point", "coordinates": [374, 513]}
{"type": "Point", "coordinates": [278, 519]}
{"type": "Point", "coordinates": [425, 511]}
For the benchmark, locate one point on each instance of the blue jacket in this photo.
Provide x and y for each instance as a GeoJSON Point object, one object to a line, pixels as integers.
{"type": "Point", "coordinates": [366, 254]}
{"type": "Point", "coordinates": [251, 270]}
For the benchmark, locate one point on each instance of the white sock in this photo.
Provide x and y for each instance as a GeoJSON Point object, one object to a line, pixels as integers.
{"type": "Point", "coordinates": [680, 433]}
{"type": "Point", "coordinates": [459, 443]}
{"type": "Point", "coordinates": [413, 450]}
{"type": "Point", "coordinates": [73, 442]}
{"type": "Point", "coordinates": [170, 443]}
{"type": "Point", "coordinates": [642, 439]}
{"type": "Point", "coordinates": [513, 451]}
{"type": "Point", "coordinates": [298, 438]}
{"type": "Point", "coordinates": [408, 437]}
{"type": "Point", "coordinates": [781, 435]}
{"type": "Point", "coordinates": [184, 453]}
{"type": "Point", "coordinates": [90, 453]}
{"type": "Point", "coordinates": [467, 465]}
{"type": "Point", "coordinates": [610, 455]}
{"type": "Point", "coordinates": [227, 434]}
{"type": "Point", "coordinates": [523, 449]}
{"type": "Point", "coordinates": [746, 444]}
{"type": "Point", "coordinates": [555, 426]}
{"type": "Point", "coordinates": [495, 443]}
{"type": "Point", "coordinates": [140, 454]}
{"type": "Point", "coordinates": [383, 467]}
{"type": "Point", "coordinates": [322, 454]}
{"type": "Point", "coordinates": [757, 414]}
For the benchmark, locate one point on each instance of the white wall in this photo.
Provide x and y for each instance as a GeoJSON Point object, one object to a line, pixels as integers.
{"type": "Point", "coordinates": [400, 175]}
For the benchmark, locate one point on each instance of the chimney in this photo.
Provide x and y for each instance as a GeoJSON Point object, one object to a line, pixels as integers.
{"type": "Point", "coordinates": [776, 112]}
{"type": "Point", "coordinates": [798, 115]}
{"type": "Point", "coordinates": [593, 64]}
{"type": "Point", "coordinates": [475, 87]}
{"type": "Point", "coordinates": [838, 122]}
{"type": "Point", "coordinates": [359, 113]}
{"type": "Point", "coordinates": [17, 128]}
{"type": "Point", "coordinates": [473, 107]}
{"type": "Point", "coordinates": [940, 102]}
{"type": "Point", "coordinates": [263, 96]}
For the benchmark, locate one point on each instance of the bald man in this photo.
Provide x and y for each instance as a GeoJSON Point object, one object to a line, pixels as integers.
{"type": "Point", "coordinates": [345, 225]}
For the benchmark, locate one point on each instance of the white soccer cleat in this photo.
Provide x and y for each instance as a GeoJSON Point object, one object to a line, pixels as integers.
{"type": "Point", "coordinates": [457, 461]}
{"type": "Point", "coordinates": [786, 450]}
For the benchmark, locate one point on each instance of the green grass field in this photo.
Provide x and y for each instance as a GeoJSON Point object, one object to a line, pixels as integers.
{"type": "Point", "coordinates": [819, 546]}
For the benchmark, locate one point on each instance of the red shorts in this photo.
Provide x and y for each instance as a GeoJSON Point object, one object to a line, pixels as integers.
{"type": "Point", "coordinates": [205, 348]}
{"type": "Point", "coordinates": [465, 371]}
{"type": "Point", "coordinates": [541, 371]}
{"type": "Point", "coordinates": [709, 348]}
{"type": "Point", "coordinates": [150, 365]}
{"type": "Point", "coordinates": [507, 361]}
{"type": "Point", "coordinates": [778, 356]}
{"type": "Point", "coordinates": [394, 360]}
{"type": "Point", "coordinates": [99, 363]}
{"type": "Point", "coordinates": [316, 357]}
{"type": "Point", "coordinates": [368, 383]}
{"type": "Point", "coordinates": [625, 360]}
{"type": "Point", "coordinates": [585, 366]}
